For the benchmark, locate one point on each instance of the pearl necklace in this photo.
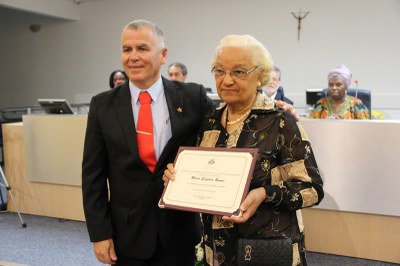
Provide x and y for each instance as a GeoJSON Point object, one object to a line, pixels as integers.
{"type": "Point", "coordinates": [237, 120]}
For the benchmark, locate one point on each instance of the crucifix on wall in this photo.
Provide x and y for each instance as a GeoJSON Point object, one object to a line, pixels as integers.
{"type": "Point", "coordinates": [299, 16]}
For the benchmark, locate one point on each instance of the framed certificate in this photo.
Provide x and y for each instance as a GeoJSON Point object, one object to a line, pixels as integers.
{"type": "Point", "coordinates": [210, 180]}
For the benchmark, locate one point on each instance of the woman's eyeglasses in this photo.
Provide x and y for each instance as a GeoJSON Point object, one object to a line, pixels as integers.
{"type": "Point", "coordinates": [235, 74]}
{"type": "Point", "coordinates": [119, 78]}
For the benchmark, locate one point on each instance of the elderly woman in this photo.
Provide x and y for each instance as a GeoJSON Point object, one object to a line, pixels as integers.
{"type": "Point", "coordinates": [338, 104]}
{"type": "Point", "coordinates": [286, 177]}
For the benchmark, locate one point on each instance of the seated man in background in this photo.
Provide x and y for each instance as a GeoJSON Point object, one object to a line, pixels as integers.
{"type": "Point", "coordinates": [337, 104]}
{"type": "Point", "coordinates": [273, 89]}
{"type": "Point", "coordinates": [177, 71]}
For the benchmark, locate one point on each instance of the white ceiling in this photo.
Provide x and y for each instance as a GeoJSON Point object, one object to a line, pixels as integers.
{"type": "Point", "coordinates": [59, 9]}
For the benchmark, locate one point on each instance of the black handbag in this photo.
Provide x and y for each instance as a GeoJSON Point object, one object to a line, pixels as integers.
{"type": "Point", "coordinates": [263, 252]}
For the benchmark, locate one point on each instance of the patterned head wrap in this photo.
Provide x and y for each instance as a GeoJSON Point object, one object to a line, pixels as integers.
{"type": "Point", "coordinates": [343, 72]}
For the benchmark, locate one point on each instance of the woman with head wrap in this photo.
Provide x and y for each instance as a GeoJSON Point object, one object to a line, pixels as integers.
{"type": "Point", "coordinates": [337, 104]}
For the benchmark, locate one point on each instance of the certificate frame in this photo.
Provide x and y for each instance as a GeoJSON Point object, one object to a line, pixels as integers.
{"type": "Point", "coordinates": [203, 182]}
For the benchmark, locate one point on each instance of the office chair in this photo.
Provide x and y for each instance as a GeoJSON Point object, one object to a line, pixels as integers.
{"type": "Point", "coordinates": [362, 94]}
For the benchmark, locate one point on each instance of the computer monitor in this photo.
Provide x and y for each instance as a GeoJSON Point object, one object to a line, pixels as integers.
{"type": "Point", "coordinates": [55, 106]}
{"type": "Point", "coordinates": [313, 95]}
{"type": "Point", "coordinates": [214, 98]}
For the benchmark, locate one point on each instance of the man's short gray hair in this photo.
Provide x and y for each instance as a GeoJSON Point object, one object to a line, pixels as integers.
{"type": "Point", "coordinates": [140, 24]}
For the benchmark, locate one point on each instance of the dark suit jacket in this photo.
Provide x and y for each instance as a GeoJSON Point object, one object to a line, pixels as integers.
{"type": "Point", "coordinates": [131, 216]}
{"type": "Point", "coordinates": [281, 96]}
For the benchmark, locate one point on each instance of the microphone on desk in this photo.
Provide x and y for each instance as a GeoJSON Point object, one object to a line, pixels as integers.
{"type": "Point", "coordinates": [356, 82]}
{"type": "Point", "coordinates": [352, 108]}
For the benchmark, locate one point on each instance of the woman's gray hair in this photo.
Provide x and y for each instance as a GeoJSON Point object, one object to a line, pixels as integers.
{"type": "Point", "coordinates": [260, 56]}
{"type": "Point", "coordinates": [141, 24]}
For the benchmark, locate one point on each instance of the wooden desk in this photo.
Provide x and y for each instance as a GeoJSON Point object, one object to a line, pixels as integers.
{"type": "Point", "coordinates": [360, 235]}
{"type": "Point", "coordinates": [52, 200]}
{"type": "Point", "coordinates": [339, 228]}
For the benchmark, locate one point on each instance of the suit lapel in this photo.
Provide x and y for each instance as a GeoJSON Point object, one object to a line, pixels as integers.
{"type": "Point", "coordinates": [124, 111]}
{"type": "Point", "coordinates": [174, 98]}
{"type": "Point", "coordinates": [279, 94]}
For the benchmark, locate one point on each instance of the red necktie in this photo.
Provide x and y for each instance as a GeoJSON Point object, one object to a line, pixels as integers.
{"type": "Point", "coordinates": [145, 132]}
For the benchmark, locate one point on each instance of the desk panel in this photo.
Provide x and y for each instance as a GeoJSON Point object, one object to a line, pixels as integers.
{"type": "Point", "coordinates": [52, 200]}
{"type": "Point", "coordinates": [359, 164]}
{"type": "Point", "coordinates": [359, 235]}
{"type": "Point", "coordinates": [54, 148]}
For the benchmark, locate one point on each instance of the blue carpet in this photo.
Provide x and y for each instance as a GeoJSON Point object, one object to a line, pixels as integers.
{"type": "Point", "coordinates": [56, 242]}
{"type": "Point", "coordinates": [45, 241]}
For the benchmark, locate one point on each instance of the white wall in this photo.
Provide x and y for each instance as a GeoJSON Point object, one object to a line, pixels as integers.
{"type": "Point", "coordinates": [73, 59]}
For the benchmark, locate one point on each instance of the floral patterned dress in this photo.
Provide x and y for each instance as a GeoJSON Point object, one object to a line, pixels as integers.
{"type": "Point", "coordinates": [285, 167]}
{"type": "Point", "coordinates": [351, 108]}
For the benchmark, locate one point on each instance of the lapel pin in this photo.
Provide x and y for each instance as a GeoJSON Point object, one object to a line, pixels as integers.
{"type": "Point", "coordinates": [179, 110]}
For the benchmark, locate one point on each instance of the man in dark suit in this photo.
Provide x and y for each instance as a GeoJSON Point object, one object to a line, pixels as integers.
{"type": "Point", "coordinates": [120, 193]}
{"type": "Point", "coordinates": [273, 89]}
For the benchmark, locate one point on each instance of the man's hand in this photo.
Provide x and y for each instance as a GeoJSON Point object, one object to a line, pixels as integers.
{"type": "Point", "coordinates": [104, 251]}
{"type": "Point", "coordinates": [287, 107]}
{"type": "Point", "coordinates": [169, 174]}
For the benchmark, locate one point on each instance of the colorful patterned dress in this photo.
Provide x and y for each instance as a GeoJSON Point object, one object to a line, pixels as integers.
{"type": "Point", "coordinates": [351, 108]}
{"type": "Point", "coordinates": [285, 167]}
